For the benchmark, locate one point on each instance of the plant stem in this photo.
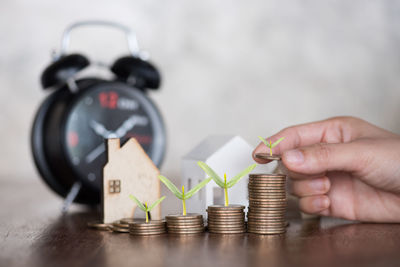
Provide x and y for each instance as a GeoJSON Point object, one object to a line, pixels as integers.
{"type": "Point", "coordinates": [147, 213]}
{"type": "Point", "coordinates": [270, 149]}
{"type": "Point", "coordinates": [226, 197]}
{"type": "Point", "coordinates": [183, 201]}
{"type": "Point", "coordinates": [184, 207]}
{"type": "Point", "coordinates": [226, 192]}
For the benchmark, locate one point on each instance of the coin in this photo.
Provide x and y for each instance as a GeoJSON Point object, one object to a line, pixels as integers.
{"type": "Point", "coordinates": [217, 228]}
{"type": "Point", "coordinates": [268, 180]}
{"type": "Point", "coordinates": [99, 225]}
{"type": "Point", "coordinates": [211, 221]}
{"type": "Point", "coordinates": [185, 224]}
{"type": "Point", "coordinates": [147, 228]}
{"type": "Point", "coordinates": [265, 175]}
{"type": "Point", "coordinates": [266, 215]}
{"type": "Point", "coordinates": [266, 226]}
{"type": "Point", "coordinates": [267, 209]}
{"type": "Point", "coordinates": [240, 231]}
{"type": "Point", "coordinates": [129, 220]}
{"type": "Point", "coordinates": [261, 193]}
{"type": "Point", "coordinates": [185, 227]}
{"type": "Point", "coordinates": [224, 208]}
{"type": "Point", "coordinates": [268, 156]}
{"type": "Point", "coordinates": [147, 233]}
{"type": "Point", "coordinates": [183, 217]}
{"type": "Point", "coordinates": [261, 203]}
{"type": "Point", "coordinates": [144, 224]}
{"type": "Point", "coordinates": [190, 231]}
{"type": "Point", "coordinates": [269, 200]}
{"type": "Point", "coordinates": [266, 196]}
{"type": "Point", "coordinates": [267, 187]}
{"type": "Point", "coordinates": [226, 217]}
{"type": "Point", "coordinates": [120, 225]}
{"type": "Point", "coordinates": [270, 232]}
{"type": "Point", "coordinates": [119, 229]}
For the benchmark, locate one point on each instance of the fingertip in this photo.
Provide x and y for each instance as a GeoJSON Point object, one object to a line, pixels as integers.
{"type": "Point", "coordinates": [314, 204]}
{"type": "Point", "coordinates": [293, 158]}
{"type": "Point", "coordinates": [310, 187]}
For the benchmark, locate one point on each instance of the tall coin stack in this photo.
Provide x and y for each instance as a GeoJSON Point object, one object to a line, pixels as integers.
{"type": "Point", "coordinates": [153, 227]}
{"type": "Point", "coordinates": [267, 204]}
{"type": "Point", "coordinates": [226, 219]}
{"type": "Point", "coordinates": [190, 223]}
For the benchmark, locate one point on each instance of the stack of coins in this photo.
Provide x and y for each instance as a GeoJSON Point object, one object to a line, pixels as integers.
{"type": "Point", "coordinates": [140, 227]}
{"type": "Point", "coordinates": [267, 204]}
{"type": "Point", "coordinates": [226, 219]}
{"type": "Point", "coordinates": [185, 224]}
{"type": "Point", "coordinates": [120, 227]}
{"type": "Point", "coordinates": [98, 225]}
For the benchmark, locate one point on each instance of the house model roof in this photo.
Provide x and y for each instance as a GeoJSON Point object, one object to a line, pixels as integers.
{"type": "Point", "coordinates": [211, 145]}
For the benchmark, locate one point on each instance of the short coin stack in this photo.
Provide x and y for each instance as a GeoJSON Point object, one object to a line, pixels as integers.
{"type": "Point", "coordinates": [140, 227]}
{"type": "Point", "coordinates": [267, 204]}
{"type": "Point", "coordinates": [185, 224]}
{"type": "Point", "coordinates": [98, 225]}
{"type": "Point", "coordinates": [120, 227]}
{"type": "Point", "coordinates": [226, 219]}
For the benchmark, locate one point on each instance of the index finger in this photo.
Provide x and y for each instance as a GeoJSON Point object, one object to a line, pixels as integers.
{"type": "Point", "coordinates": [329, 131]}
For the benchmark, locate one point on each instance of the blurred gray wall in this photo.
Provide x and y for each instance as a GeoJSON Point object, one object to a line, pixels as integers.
{"type": "Point", "coordinates": [243, 67]}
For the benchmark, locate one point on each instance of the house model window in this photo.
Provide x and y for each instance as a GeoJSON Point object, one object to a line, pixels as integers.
{"type": "Point", "coordinates": [114, 186]}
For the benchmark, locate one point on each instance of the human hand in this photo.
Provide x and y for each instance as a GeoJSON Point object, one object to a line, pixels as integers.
{"type": "Point", "coordinates": [343, 167]}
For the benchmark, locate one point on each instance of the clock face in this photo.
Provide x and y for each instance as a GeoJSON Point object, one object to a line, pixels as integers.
{"type": "Point", "coordinates": [110, 110]}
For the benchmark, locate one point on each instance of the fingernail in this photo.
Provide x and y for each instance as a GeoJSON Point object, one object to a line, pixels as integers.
{"type": "Point", "coordinates": [321, 203]}
{"type": "Point", "coordinates": [318, 185]}
{"type": "Point", "coordinates": [294, 156]}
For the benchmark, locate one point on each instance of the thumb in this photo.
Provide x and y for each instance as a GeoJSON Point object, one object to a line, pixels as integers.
{"type": "Point", "coordinates": [321, 158]}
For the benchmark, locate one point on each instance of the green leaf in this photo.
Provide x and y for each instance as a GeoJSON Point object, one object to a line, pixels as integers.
{"type": "Point", "coordinates": [194, 190]}
{"type": "Point", "coordinates": [207, 169]}
{"type": "Point", "coordinates": [138, 203]}
{"type": "Point", "coordinates": [156, 203]}
{"type": "Point", "coordinates": [239, 176]}
{"type": "Point", "coordinates": [170, 186]}
{"type": "Point", "coordinates": [264, 141]}
{"type": "Point", "coordinates": [277, 142]}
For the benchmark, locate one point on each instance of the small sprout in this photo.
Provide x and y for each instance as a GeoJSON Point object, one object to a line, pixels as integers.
{"type": "Point", "coordinates": [269, 145]}
{"type": "Point", "coordinates": [182, 195]}
{"type": "Point", "coordinates": [223, 183]}
{"type": "Point", "coordinates": [146, 208]}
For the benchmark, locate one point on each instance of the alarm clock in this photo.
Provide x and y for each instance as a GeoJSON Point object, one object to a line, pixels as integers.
{"type": "Point", "coordinates": [71, 125]}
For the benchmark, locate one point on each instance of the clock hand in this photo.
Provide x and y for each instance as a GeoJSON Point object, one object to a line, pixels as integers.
{"type": "Point", "coordinates": [128, 125]}
{"type": "Point", "coordinates": [99, 129]}
{"type": "Point", "coordinates": [95, 153]}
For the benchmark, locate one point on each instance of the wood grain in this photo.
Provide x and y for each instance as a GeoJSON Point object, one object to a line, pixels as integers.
{"type": "Point", "coordinates": [34, 233]}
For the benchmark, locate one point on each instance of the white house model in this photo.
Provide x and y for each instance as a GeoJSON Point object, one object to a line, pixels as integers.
{"type": "Point", "coordinates": [225, 154]}
{"type": "Point", "coordinates": [128, 171]}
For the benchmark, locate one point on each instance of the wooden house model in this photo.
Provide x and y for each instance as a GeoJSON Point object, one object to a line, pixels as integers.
{"type": "Point", "coordinates": [128, 171]}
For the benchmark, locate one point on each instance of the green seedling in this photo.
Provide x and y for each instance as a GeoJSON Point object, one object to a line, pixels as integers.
{"type": "Point", "coordinates": [223, 183]}
{"type": "Point", "coordinates": [146, 208]}
{"type": "Point", "coordinates": [182, 195]}
{"type": "Point", "coordinates": [269, 145]}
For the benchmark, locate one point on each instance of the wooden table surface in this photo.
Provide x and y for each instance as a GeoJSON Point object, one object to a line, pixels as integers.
{"type": "Point", "coordinates": [35, 233]}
